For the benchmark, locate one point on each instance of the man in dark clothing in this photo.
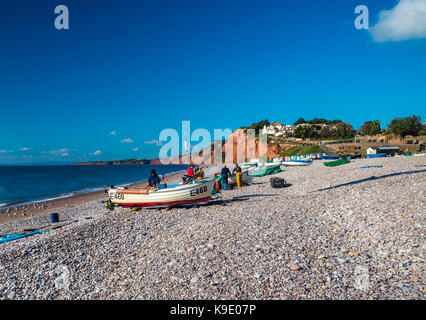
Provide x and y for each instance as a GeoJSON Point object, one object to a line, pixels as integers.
{"type": "Point", "coordinates": [153, 179]}
{"type": "Point", "coordinates": [224, 173]}
{"type": "Point", "coordinates": [195, 168]}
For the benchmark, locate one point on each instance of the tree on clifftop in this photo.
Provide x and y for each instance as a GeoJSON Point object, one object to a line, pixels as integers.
{"type": "Point", "coordinates": [345, 130]}
{"type": "Point", "coordinates": [305, 132]}
{"type": "Point", "coordinates": [405, 126]}
{"type": "Point", "coordinates": [260, 125]}
{"type": "Point", "coordinates": [299, 121]}
{"type": "Point", "coordinates": [371, 128]}
{"type": "Point", "coordinates": [340, 130]}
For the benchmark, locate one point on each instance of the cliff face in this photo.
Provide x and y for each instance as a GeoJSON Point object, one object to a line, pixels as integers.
{"type": "Point", "coordinates": [275, 150]}
{"type": "Point", "coordinates": [243, 148]}
{"type": "Point", "coordinates": [239, 150]}
{"type": "Point", "coordinates": [236, 148]}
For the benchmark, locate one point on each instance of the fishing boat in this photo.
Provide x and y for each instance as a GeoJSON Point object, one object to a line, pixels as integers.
{"type": "Point", "coordinates": [298, 158]}
{"type": "Point", "coordinates": [329, 157]}
{"type": "Point", "coordinates": [303, 160]}
{"type": "Point", "coordinates": [270, 164]}
{"type": "Point", "coordinates": [248, 165]}
{"type": "Point", "coordinates": [377, 155]}
{"type": "Point", "coordinates": [266, 165]}
{"type": "Point", "coordinates": [247, 178]}
{"type": "Point", "coordinates": [336, 162]}
{"type": "Point", "coordinates": [197, 192]}
{"type": "Point", "coordinates": [267, 170]}
{"type": "Point", "coordinates": [297, 163]}
{"type": "Point", "coordinates": [355, 156]}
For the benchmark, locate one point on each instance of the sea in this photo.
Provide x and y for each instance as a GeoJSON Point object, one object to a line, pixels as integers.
{"type": "Point", "coordinates": [27, 184]}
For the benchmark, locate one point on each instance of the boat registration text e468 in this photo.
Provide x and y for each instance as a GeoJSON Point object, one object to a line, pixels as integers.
{"type": "Point", "coordinates": [198, 191]}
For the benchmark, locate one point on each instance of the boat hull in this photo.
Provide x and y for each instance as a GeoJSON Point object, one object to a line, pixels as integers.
{"type": "Point", "coordinates": [264, 171]}
{"type": "Point", "coordinates": [296, 163]}
{"type": "Point", "coordinates": [378, 155]}
{"type": "Point", "coordinates": [336, 162]}
{"type": "Point", "coordinates": [270, 164]}
{"type": "Point", "coordinates": [248, 165]}
{"type": "Point", "coordinates": [166, 203]}
{"type": "Point", "coordinates": [182, 195]}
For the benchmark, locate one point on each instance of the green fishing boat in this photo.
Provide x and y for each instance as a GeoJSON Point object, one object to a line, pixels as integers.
{"type": "Point", "coordinates": [266, 171]}
{"type": "Point", "coordinates": [336, 163]}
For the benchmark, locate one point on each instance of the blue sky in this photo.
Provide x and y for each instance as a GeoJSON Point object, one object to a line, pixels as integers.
{"type": "Point", "coordinates": [137, 67]}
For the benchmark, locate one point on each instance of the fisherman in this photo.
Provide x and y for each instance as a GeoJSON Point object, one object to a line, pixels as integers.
{"type": "Point", "coordinates": [190, 171]}
{"type": "Point", "coordinates": [200, 173]}
{"type": "Point", "coordinates": [224, 173]}
{"type": "Point", "coordinates": [153, 179]}
{"type": "Point", "coordinates": [195, 168]}
{"type": "Point", "coordinates": [238, 175]}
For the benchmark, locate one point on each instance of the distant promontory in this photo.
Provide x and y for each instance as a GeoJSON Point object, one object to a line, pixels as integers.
{"type": "Point", "coordinates": [118, 162]}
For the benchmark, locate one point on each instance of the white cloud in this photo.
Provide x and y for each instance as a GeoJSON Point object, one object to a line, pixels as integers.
{"type": "Point", "coordinates": [135, 149]}
{"type": "Point", "coordinates": [64, 152]}
{"type": "Point", "coordinates": [10, 151]}
{"type": "Point", "coordinates": [127, 140]}
{"type": "Point", "coordinates": [113, 133]}
{"type": "Point", "coordinates": [407, 20]}
{"type": "Point", "coordinates": [158, 143]}
{"type": "Point", "coordinates": [96, 153]}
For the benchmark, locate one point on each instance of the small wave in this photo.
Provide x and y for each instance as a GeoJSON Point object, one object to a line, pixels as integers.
{"type": "Point", "coordinates": [10, 204]}
{"type": "Point", "coordinates": [62, 196]}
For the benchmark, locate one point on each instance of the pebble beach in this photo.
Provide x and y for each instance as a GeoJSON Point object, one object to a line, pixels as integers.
{"type": "Point", "coordinates": [332, 233]}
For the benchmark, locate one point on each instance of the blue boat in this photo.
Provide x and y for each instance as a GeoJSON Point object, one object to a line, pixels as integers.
{"type": "Point", "coordinates": [300, 160]}
{"type": "Point", "coordinates": [329, 157]}
{"type": "Point", "coordinates": [11, 237]}
{"type": "Point", "coordinates": [378, 155]}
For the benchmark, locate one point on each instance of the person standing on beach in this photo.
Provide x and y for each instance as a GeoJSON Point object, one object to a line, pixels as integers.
{"type": "Point", "coordinates": [238, 175]}
{"type": "Point", "coordinates": [224, 173]}
{"type": "Point", "coordinates": [153, 179]}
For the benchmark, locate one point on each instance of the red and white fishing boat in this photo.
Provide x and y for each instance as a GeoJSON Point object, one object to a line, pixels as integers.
{"type": "Point", "coordinates": [197, 192]}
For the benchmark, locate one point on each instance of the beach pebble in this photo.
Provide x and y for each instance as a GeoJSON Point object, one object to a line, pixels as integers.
{"type": "Point", "coordinates": [295, 267]}
{"type": "Point", "coordinates": [360, 239]}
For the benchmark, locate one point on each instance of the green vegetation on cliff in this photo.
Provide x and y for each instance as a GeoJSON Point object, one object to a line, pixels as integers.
{"type": "Point", "coordinates": [302, 150]}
